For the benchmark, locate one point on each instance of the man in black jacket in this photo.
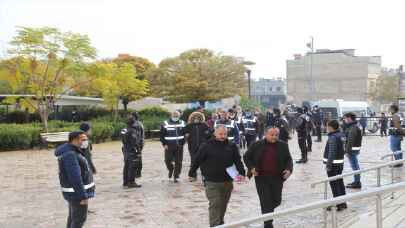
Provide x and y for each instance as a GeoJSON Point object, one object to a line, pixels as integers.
{"type": "Point", "coordinates": [133, 142]}
{"type": "Point", "coordinates": [302, 133]}
{"type": "Point", "coordinates": [269, 161]}
{"type": "Point", "coordinates": [197, 133]}
{"type": "Point", "coordinates": [333, 158]}
{"type": "Point", "coordinates": [220, 163]}
{"type": "Point", "coordinates": [353, 145]}
{"type": "Point", "coordinates": [87, 146]}
{"type": "Point", "coordinates": [76, 178]}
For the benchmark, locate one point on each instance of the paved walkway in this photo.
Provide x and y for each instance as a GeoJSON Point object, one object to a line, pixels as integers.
{"type": "Point", "coordinates": [30, 195]}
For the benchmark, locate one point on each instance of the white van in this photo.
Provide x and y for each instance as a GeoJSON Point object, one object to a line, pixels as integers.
{"type": "Point", "coordinates": [337, 108]}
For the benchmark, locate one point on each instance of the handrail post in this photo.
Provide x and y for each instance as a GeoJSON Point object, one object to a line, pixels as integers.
{"type": "Point", "coordinates": [325, 212]}
{"type": "Point", "coordinates": [379, 177]}
{"type": "Point", "coordinates": [379, 211]}
{"type": "Point", "coordinates": [392, 177]}
{"type": "Point", "coordinates": [334, 217]}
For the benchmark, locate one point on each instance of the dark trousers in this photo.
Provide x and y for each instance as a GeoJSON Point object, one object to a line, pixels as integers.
{"type": "Point", "coordinates": [302, 142]}
{"type": "Point", "coordinates": [174, 154]}
{"type": "Point", "coordinates": [242, 141]}
{"type": "Point", "coordinates": [193, 154]}
{"type": "Point", "coordinates": [218, 195]}
{"type": "Point", "coordinates": [337, 186]}
{"type": "Point", "coordinates": [269, 190]}
{"type": "Point", "coordinates": [309, 142]}
{"type": "Point", "coordinates": [318, 132]}
{"type": "Point", "coordinates": [250, 139]}
{"type": "Point", "coordinates": [77, 215]}
{"type": "Point", "coordinates": [129, 172]}
{"type": "Point", "coordinates": [383, 132]}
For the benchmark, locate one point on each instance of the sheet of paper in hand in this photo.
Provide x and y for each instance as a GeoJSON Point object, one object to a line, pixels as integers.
{"type": "Point", "coordinates": [232, 171]}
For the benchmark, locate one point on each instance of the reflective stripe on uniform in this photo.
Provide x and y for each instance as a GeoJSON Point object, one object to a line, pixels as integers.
{"type": "Point", "coordinates": [251, 129]}
{"type": "Point", "coordinates": [334, 161]}
{"type": "Point", "coordinates": [87, 186]}
{"type": "Point", "coordinates": [231, 138]}
{"type": "Point", "coordinates": [174, 138]}
{"type": "Point", "coordinates": [356, 148]}
{"type": "Point", "coordinates": [167, 125]}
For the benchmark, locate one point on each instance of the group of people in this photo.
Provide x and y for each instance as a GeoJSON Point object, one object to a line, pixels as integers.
{"type": "Point", "coordinates": [215, 147]}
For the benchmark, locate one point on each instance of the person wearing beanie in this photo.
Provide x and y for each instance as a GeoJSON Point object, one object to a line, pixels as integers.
{"type": "Point", "coordinates": [87, 147]}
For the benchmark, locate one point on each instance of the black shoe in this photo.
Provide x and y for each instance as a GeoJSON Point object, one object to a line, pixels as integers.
{"type": "Point", "coordinates": [398, 165]}
{"type": "Point", "coordinates": [354, 185]}
{"type": "Point", "coordinates": [134, 185]}
{"type": "Point", "coordinates": [302, 161]}
{"type": "Point", "coordinates": [170, 174]}
{"type": "Point", "coordinates": [309, 150]}
{"type": "Point", "coordinates": [176, 180]}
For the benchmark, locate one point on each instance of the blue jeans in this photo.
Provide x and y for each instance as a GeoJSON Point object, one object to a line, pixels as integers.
{"type": "Point", "coordinates": [354, 163]}
{"type": "Point", "coordinates": [395, 146]}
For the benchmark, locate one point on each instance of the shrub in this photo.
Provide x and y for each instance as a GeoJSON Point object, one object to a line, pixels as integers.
{"type": "Point", "coordinates": [13, 136]}
{"type": "Point", "coordinates": [154, 111]}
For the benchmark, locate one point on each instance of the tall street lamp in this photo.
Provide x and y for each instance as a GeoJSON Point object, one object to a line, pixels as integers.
{"type": "Point", "coordinates": [248, 72]}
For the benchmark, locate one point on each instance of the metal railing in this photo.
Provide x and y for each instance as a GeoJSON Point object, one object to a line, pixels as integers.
{"type": "Point", "coordinates": [378, 193]}
{"type": "Point", "coordinates": [377, 168]}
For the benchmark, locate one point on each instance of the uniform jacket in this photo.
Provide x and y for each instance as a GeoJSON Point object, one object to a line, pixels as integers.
{"type": "Point", "coordinates": [75, 176]}
{"type": "Point", "coordinates": [172, 133]}
{"type": "Point", "coordinates": [334, 149]}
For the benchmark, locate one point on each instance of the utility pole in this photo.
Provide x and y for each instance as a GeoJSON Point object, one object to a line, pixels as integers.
{"type": "Point", "coordinates": [311, 81]}
{"type": "Point", "coordinates": [248, 71]}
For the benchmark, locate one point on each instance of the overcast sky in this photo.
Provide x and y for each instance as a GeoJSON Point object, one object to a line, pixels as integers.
{"type": "Point", "coordinates": [266, 32]}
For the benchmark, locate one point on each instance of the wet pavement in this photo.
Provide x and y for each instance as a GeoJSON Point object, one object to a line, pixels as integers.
{"type": "Point", "coordinates": [30, 195]}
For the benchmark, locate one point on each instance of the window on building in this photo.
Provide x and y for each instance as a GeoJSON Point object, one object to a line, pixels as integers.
{"type": "Point", "coordinates": [278, 89]}
{"type": "Point", "coordinates": [271, 89]}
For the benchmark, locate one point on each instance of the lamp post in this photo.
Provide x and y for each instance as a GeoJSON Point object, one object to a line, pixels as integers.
{"type": "Point", "coordinates": [311, 81]}
{"type": "Point", "coordinates": [248, 72]}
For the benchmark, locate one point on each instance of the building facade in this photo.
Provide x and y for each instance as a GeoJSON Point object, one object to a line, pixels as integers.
{"type": "Point", "coordinates": [332, 74]}
{"type": "Point", "coordinates": [269, 92]}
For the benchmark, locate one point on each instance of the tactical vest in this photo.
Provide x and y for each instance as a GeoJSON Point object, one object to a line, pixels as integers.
{"type": "Point", "coordinates": [249, 125]}
{"type": "Point", "coordinates": [174, 130]}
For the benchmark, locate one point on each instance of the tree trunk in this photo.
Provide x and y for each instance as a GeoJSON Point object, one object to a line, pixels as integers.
{"type": "Point", "coordinates": [43, 113]}
{"type": "Point", "coordinates": [125, 103]}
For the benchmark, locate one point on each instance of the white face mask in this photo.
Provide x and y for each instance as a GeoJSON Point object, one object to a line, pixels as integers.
{"type": "Point", "coordinates": [175, 119]}
{"type": "Point", "coordinates": [85, 144]}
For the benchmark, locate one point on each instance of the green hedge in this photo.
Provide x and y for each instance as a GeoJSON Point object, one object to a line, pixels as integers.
{"type": "Point", "coordinates": [24, 136]}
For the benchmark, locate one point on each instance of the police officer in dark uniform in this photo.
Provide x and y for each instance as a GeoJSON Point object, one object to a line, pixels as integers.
{"type": "Point", "coordinates": [282, 124]}
{"type": "Point", "coordinates": [76, 178]}
{"type": "Point", "coordinates": [251, 127]}
{"type": "Point", "coordinates": [309, 127]}
{"type": "Point", "coordinates": [172, 138]}
{"type": "Point", "coordinates": [317, 118]}
{"type": "Point", "coordinates": [333, 158]}
{"type": "Point", "coordinates": [302, 132]}
{"type": "Point", "coordinates": [238, 118]}
{"type": "Point", "coordinates": [231, 126]}
{"type": "Point", "coordinates": [133, 141]}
